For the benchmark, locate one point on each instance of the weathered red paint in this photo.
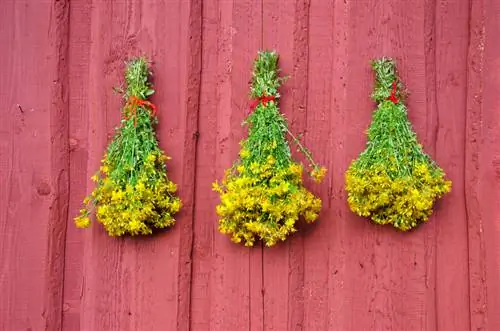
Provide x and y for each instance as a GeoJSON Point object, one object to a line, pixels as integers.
{"type": "Point", "coordinates": [60, 61]}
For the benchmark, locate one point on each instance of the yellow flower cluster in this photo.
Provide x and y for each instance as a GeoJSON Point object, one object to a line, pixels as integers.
{"type": "Point", "coordinates": [318, 174]}
{"type": "Point", "coordinates": [133, 207]}
{"type": "Point", "coordinates": [403, 202]}
{"type": "Point", "coordinates": [263, 201]}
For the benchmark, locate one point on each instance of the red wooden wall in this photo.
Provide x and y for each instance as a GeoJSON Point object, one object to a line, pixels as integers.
{"type": "Point", "coordinates": [59, 62]}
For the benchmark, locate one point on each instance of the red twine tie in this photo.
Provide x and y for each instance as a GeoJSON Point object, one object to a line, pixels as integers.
{"type": "Point", "coordinates": [134, 102]}
{"type": "Point", "coordinates": [264, 99]}
{"type": "Point", "coordinates": [393, 97]}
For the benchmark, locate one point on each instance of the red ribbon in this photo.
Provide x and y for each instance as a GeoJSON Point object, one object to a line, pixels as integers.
{"type": "Point", "coordinates": [264, 99]}
{"type": "Point", "coordinates": [134, 102]}
{"type": "Point", "coordinates": [393, 97]}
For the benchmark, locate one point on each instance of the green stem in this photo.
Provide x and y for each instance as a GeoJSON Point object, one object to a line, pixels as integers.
{"type": "Point", "coordinates": [304, 150]}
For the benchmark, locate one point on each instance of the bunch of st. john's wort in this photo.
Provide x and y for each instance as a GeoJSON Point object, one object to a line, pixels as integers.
{"type": "Point", "coordinates": [262, 194]}
{"type": "Point", "coordinates": [393, 181]}
{"type": "Point", "coordinates": [133, 194]}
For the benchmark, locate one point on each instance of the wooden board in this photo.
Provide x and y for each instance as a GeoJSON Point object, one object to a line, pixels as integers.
{"type": "Point", "coordinates": [60, 62]}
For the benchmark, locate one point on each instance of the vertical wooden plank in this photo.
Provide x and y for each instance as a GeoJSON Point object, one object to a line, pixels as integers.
{"type": "Point", "coordinates": [133, 283]}
{"type": "Point", "coordinates": [59, 158]}
{"type": "Point", "coordinates": [452, 281]}
{"type": "Point", "coordinates": [489, 156]}
{"type": "Point", "coordinates": [286, 30]}
{"type": "Point", "coordinates": [380, 272]}
{"type": "Point", "coordinates": [79, 45]}
{"type": "Point", "coordinates": [317, 136]}
{"type": "Point", "coordinates": [106, 292]}
{"type": "Point", "coordinates": [297, 117]}
{"type": "Point", "coordinates": [216, 71]}
{"type": "Point", "coordinates": [478, 281]}
{"type": "Point", "coordinates": [430, 142]}
{"type": "Point", "coordinates": [226, 280]}
{"type": "Point", "coordinates": [160, 33]}
{"type": "Point", "coordinates": [191, 97]}
{"type": "Point", "coordinates": [339, 293]}
{"type": "Point", "coordinates": [34, 166]}
{"type": "Point", "coordinates": [235, 278]}
{"type": "Point", "coordinates": [247, 20]}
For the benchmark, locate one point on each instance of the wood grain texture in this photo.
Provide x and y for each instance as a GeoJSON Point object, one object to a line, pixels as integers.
{"type": "Point", "coordinates": [476, 225]}
{"type": "Point", "coordinates": [451, 226]}
{"type": "Point", "coordinates": [78, 84]}
{"type": "Point", "coordinates": [286, 31]}
{"type": "Point", "coordinates": [35, 161]}
{"type": "Point", "coordinates": [387, 297]}
{"type": "Point", "coordinates": [237, 302]}
{"type": "Point", "coordinates": [144, 281]}
{"type": "Point", "coordinates": [488, 184]}
{"type": "Point", "coordinates": [341, 273]}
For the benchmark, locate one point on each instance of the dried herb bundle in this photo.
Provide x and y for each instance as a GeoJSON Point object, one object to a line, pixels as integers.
{"type": "Point", "coordinates": [262, 195]}
{"type": "Point", "coordinates": [393, 181]}
{"type": "Point", "coordinates": [133, 194]}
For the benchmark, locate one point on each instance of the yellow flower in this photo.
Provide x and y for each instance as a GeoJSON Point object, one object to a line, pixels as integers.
{"type": "Point", "coordinates": [171, 187]}
{"type": "Point", "coordinates": [216, 187]}
{"type": "Point", "coordinates": [264, 202]}
{"type": "Point", "coordinates": [244, 153]}
{"type": "Point", "coordinates": [295, 169]}
{"type": "Point", "coordinates": [175, 206]}
{"type": "Point", "coordinates": [134, 226]}
{"type": "Point", "coordinates": [117, 195]}
{"type": "Point", "coordinates": [104, 169]}
{"type": "Point", "coordinates": [318, 174]}
{"type": "Point", "coordinates": [82, 221]}
{"type": "Point", "coordinates": [403, 202]}
{"type": "Point", "coordinates": [129, 189]}
{"type": "Point", "coordinates": [140, 187]}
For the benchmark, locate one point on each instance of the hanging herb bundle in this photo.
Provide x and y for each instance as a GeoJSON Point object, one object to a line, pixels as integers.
{"type": "Point", "coordinates": [262, 195]}
{"type": "Point", "coordinates": [393, 181]}
{"type": "Point", "coordinates": [133, 194]}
